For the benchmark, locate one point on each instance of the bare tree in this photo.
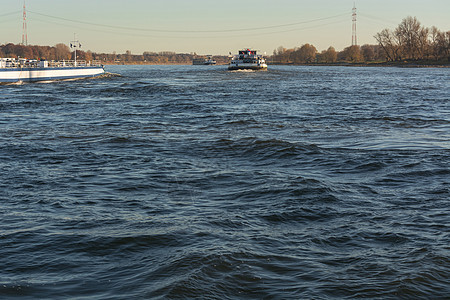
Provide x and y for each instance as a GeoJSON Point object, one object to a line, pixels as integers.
{"type": "Point", "coordinates": [62, 51]}
{"type": "Point", "coordinates": [411, 41]}
{"type": "Point", "coordinates": [368, 52]}
{"type": "Point", "coordinates": [305, 54]}
{"type": "Point", "coordinates": [389, 44]}
{"type": "Point", "coordinates": [434, 42]}
{"type": "Point", "coordinates": [407, 34]}
{"type": "Point", "coordinates": [443, 44]}
{"type": "Point", "coordinates": [330, 56]}
{"type": "Point", "coordinates": [352, 53]}
{"type": "Point", "coordinates": [279, 51]}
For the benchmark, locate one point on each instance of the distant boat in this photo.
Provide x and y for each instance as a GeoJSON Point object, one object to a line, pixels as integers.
{"type": "Point", "coordinates": [247, 60]}
{"type": "Point", "coordinates": [204, 61]}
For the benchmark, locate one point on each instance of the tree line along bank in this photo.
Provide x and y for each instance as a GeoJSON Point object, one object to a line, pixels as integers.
{"type": "Point", "coordinates": [410, 41]}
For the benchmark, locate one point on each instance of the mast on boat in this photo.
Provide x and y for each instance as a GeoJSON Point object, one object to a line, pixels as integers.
{"type": "Point", "coordinates": [74, 45]}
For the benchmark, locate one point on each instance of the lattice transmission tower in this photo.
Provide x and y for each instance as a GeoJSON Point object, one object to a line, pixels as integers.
{"type": "Point", "coordinates": [24, 26]}
{"type": "Point", "coordinates": [354, 37]}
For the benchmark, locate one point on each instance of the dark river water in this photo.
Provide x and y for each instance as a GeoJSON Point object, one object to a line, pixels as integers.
{"type": "Point", "coordinates": [194, 182]}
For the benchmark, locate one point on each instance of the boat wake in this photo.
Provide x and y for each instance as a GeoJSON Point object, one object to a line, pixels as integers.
{"type": "Point", "coordinates": [12, 83]}
{"type": "Point", "coordinates": [108, 75]}
{"type": "Point", "coordinates": [243, 71]}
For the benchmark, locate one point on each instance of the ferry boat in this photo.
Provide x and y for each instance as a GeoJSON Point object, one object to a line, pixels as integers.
{"type": "Point", "coordinates": [247, 60]}
{"type": "Point", "coordinates": [28, 70]}
{"type": "Point", "coordinates": [204, 61]}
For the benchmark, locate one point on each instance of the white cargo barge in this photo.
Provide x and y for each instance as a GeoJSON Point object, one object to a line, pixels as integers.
{"type": "Point", "coordinates": [247, 60]}
{"type": "Point", "coordinates": [23, 70]}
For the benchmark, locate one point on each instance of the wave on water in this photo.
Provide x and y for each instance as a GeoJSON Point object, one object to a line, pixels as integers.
{"type": "Point", "coordinates": [141, 88]}
{"type": "Point", "coordinates": [109, 75]}
{"type": "Point", "coordinates": [182, 182]}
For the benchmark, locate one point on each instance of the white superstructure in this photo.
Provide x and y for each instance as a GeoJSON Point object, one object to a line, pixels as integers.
{"type": "Point", "coordinates": [12, 70]}
{"type": "Point", "coordinates": [247, 60]}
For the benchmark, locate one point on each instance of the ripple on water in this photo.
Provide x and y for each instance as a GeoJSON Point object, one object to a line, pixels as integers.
{"type": "Point", "coordinates": [183, 182]}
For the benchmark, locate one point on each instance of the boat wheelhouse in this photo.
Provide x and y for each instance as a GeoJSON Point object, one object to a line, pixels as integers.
{"type": "Point", "coordinates": [247, 60]}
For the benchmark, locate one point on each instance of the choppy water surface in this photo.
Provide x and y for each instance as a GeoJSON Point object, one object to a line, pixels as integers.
{"type": "Point", "coordinates": [197, 182]}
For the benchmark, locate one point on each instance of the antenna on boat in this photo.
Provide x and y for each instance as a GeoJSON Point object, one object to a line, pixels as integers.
{"type": "Point", "coordinates": [74, 45]}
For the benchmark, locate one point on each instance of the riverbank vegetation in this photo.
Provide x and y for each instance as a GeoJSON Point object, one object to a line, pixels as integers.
{"type": "Point", "coordinates": [308, 54]}
{"type": "Point", "coordinates": [62, 52]}
{"type": "Point", "coordinates": [409, 43]}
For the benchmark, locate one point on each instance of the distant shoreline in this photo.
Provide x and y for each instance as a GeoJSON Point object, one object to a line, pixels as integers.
{"type": "Point", "coordinates": [402, 64]}
{"type": "Point", "coordinates": [337, 64]}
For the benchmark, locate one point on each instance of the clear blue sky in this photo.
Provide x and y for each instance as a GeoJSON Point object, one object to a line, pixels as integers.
{"type": "Point", "coordinates": [210, 27]}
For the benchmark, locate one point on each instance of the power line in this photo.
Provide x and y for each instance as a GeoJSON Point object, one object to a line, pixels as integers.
{"type": "Point", "coordinates": [8, 20]}
{"type": "Point", "coordinates": [221, 36]}
{"type": "Point", "coordinates": [11, 13]}
{"type": "Point", "coordinates": [187, 31]}
{"type": "Point", "coordinates": [309, 27]}
{"type": "Point", "coordinates": [377, 19]}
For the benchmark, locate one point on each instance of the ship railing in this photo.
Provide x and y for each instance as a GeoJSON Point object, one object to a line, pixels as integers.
{"type": "Point", "coordinates": [61, 63]}
{"type": "Point", "coordinates": [80, 63]}
{"type": "Point", "coordinates": [96, 63]}
{"type": "Point", "coordinates": [10, 63]}
{"type": "Point", "coordinates": [72, 63]}
{"type": "Point", "coordinates": [18, 64]}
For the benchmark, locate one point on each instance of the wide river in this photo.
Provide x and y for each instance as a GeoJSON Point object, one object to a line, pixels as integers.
{"type": "Point", "coordinates": [184, 182]}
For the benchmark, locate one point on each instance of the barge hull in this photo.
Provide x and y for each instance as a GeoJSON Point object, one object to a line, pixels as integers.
{"type": "Point", "coordinates": [8, 75]}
